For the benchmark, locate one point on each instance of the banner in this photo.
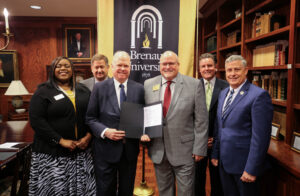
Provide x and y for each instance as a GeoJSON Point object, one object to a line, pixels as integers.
{"type": "Point", "coordinates": [145, 29]}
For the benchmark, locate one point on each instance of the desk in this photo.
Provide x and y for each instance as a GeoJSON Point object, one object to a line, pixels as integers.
{"type": "Point", "coordinates": [284, 176]}
{"type": "Point", "coordinates": [17, 131]}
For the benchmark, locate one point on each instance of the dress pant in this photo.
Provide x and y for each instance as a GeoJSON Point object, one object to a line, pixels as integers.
{"type": "Point", "coordinates": [115, 178]}
{"type": "Point", "coordinates": [200, 177]}
{"type": "Point", "coordinates": [233, 186]}
{"type": "Point", "coordinates": [165, 178]}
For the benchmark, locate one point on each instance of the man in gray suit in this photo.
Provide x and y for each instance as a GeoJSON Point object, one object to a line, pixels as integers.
{"type": "Point", "coordinates": [99, 67]}
{"type": "Point", "coordinates": [185, 127]}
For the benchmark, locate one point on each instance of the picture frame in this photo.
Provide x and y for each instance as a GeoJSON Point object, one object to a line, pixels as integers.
{"type": "Point", "coordinates": [295, 145]}
{"type": "Point", "coordinates": [275, 131]}
{"type": "Point", "coordinates": [78, 42]}
{"type": "Point", "coordinates": [9, 69]}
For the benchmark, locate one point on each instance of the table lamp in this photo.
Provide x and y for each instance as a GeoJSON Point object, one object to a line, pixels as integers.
{"type": "Point", "coordinates": [16, 89]}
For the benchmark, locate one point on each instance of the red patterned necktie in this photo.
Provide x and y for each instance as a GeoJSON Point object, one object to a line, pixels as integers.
{"type": "Point", "coordinates": [167, 98]}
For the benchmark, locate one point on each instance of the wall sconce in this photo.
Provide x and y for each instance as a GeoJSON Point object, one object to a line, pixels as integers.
{"type": "Point", "coordinates": [16, 89]}
{"type": "Point", "coordinates": [7, 34]}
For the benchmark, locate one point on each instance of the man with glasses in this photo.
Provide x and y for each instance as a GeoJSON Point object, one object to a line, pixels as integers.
{"type": "Point", "coordinates": [185, 122]}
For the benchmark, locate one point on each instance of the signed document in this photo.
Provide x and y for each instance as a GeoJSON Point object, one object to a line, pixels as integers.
{"type": "Point", "coordinates": [137, 119]}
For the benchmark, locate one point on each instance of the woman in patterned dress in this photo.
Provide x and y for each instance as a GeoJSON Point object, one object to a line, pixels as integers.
{"type": "Point", "coordinates": [61, 162]}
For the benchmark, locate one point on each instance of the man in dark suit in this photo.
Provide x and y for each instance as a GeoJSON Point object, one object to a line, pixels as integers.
{"type": "Point", "coordinates": [78, 48]}
{"type": "Point", "coordinates": [213, 86]}
{"type": "Point", "coordinates": [243, 124]}
{"type": "Point", "coordinates": [99, 67]}
{"type": "Point", "coordinates": [115, 156]}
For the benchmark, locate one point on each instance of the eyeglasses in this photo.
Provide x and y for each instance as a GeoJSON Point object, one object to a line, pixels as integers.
{"type": "Point", "coordinates": [170, 64]}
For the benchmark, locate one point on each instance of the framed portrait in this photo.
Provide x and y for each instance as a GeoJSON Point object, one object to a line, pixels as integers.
{"type": "Point", "coordinates": [296, 142]}
{"type": "Point", "coordinates": [275, 131]}
{"type": "Point", "coordinates": [78, 42]}
{"type": "Point", "coordinates": [8, 67]}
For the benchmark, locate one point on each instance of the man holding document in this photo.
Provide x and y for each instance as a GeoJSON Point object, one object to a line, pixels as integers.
{"type": "Point", "coordinates": [115, 156]}
{"type": "Point", "coordinates": [185, 123]}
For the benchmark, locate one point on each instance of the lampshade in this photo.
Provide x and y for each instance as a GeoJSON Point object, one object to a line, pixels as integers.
{"type": "Point", "coordinates": [16, 88]}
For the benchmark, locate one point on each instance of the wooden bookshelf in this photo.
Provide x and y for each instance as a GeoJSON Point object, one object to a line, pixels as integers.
{"type": "Point", "coordinates": [230, 23]}
{"type": "Point", "coordinates": [269, 35]}
{"type": "Point", "coordinates": [279, 67]}
{"type": "Point", "coordinates": [289, 30]}
{"type": "Point", "coordinates": [258, 7]}
{"type": "Point", "coordinates": [231, 46]}
{"type": "Point", "coordinates": [213, 51]}
{"type": "Point", "coordinates": [210, 34]}
{"type": "Point", "coordinates": [279, 102]}
{"type": "Point", "coordinates": [296, 106]}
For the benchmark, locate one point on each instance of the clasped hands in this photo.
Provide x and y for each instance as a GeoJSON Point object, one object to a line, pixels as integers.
{"type": "Point", "coordinates": [72, 145]}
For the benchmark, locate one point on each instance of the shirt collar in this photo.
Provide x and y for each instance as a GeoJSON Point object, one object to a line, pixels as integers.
{"type": "Point", "coordinates": [238, 88]}
{"type": "Point", "coordinates": [117, 83]}
{"type": "Point", "coordinates": [212, 81]}
{"type": "Point", "coordinates": [163, 80]}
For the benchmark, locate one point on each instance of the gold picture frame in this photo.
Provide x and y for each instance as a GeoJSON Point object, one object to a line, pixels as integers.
{"type": "Point", "coordinates": [78, 42]}
{"type": "Point", "coordinates": [8, 67]}
{"type": "Point", "coordinates": [275, 131]}
{"type": "Point", "coordinates": [295, 145]}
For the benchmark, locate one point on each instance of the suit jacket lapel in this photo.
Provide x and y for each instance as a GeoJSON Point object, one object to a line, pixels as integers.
{"type": "Point", "coordinates": [113, 96]}
{"type": "Point", "coordinates": [130, 91]}
{"type": "Point", "coordinates": [241, 94]}
{"type": "Point", "coordinates": [156, 92]}
{"type": "Point", "coordinates": [177, 91]}
{"type": "Point", "coordinates": [215, 94]}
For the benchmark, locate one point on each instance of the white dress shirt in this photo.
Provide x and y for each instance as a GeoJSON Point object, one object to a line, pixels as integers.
{"type": "Point", "coordinates": [236, 91]}
{"type": "Point", "coordinates": [117, 90]}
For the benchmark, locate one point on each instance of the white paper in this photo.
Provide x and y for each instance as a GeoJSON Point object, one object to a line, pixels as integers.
{"type": "Point", "coordinates": [297, 142]}
{"type": "Point", "coordinates": [8, 145]}
{"type": "Point", "coordinates": [153, 115]}
{"type": "Point", "coordinates": [274, 131]}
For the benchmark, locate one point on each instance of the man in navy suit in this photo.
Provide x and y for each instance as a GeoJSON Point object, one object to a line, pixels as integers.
{"type": "Point", "coordinates": [115, 157]}
{"type": "Point", "coordinates": [243, 126]}
{"type": "Point", "coordinates": [213, 86]}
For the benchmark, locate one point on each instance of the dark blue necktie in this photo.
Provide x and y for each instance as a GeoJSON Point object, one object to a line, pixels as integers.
{"type": "Point", "coordinates": [122, 94]}
{"type": "Point", "coordinates": [228, 103]}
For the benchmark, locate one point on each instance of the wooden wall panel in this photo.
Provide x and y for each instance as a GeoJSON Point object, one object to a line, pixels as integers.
{"type": "Point", "coordinates": [37, 40]}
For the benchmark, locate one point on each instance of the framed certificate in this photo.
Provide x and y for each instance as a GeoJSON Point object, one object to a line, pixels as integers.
{"type": "Point", "coordinates": [275, 131]}
{"type": "Point", "coordinates": [296, 142]}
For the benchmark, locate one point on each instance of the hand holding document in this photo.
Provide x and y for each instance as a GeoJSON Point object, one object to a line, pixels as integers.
{"type": "Point", "coordinates": [137, 120]}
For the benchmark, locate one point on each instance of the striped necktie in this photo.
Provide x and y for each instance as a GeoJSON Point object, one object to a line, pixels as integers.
{"type": "Point", "coordinates": [228, 103]}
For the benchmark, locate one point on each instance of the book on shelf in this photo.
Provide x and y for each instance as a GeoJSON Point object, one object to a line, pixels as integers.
{"type": "Point", "coordinates": [274, 78]}
{"type": "Point", "coordinates": [233, 37]}
{"type": "Point", "coordinates": [271, 54]}
{"type": "Point", "coordinates": [266, 22]}
{"type": "Point", "coordinates": [283, 87]}
{"type": "Point", "coordinates": [211, 43]}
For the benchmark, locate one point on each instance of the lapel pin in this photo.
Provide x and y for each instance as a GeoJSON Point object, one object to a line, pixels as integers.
{"type": "Point", "coordinates": [155, 87]}
{"type": "Point", "coordinates": [242, 92]}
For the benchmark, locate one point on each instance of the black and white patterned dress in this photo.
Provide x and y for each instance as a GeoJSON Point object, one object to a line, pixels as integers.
{"type": "Point", "coordinates": [54, 169]}
{"type": "Point", "coordinates": [72, 175]}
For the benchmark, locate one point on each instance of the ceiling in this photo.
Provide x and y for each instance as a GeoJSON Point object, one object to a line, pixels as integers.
{"type": "Point", "coordinates": [58, 8]}
{"type": "Point", "coordinates": [55, 8]}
